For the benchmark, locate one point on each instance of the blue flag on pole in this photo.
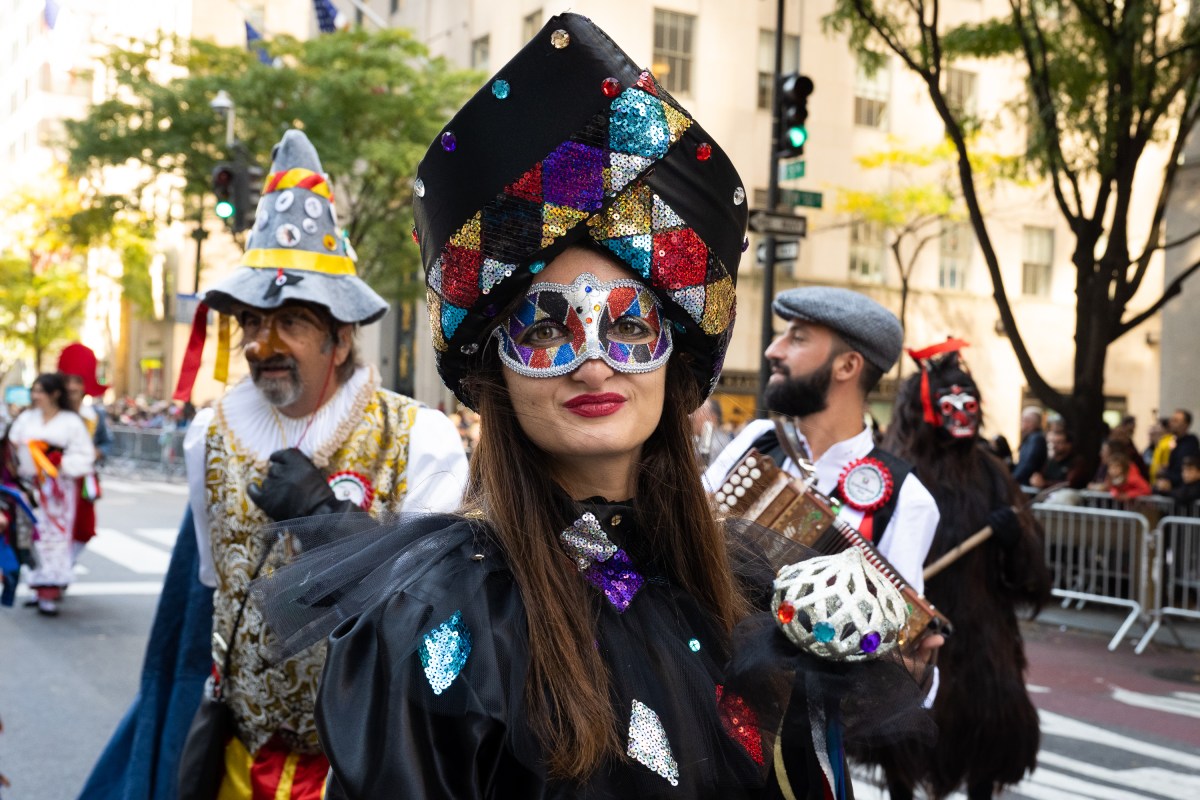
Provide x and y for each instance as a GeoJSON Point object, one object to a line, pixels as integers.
{"type": "Point", "coordinates": [253, 36]}
{"type": "Point", "coordinates": [50, 13]}
{"type": "Point", "coordinates": [326, 15]}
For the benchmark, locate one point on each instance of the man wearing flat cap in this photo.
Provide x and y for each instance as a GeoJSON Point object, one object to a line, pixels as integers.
{"type": "Point", "coordinates": [833, 352]}
{"type": "Point", "coordinates": [308, 432]}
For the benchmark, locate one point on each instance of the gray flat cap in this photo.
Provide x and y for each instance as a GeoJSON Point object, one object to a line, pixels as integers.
{"type": "Point", "coordinates": [864, 324]}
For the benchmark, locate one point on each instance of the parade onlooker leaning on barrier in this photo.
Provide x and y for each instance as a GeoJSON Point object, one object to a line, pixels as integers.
{"type": "Point", "coordinates": [1185, 444]}
{"type": "Point", "coordinates": [1032, 452]}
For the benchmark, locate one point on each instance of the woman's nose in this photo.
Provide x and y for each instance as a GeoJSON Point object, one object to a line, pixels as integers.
{"type": "Point", "coordinates": [593, 372]}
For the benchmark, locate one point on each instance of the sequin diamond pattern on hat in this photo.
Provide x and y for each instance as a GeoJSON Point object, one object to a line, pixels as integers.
{"type": "Point", "coordinates": [565, 188]}
{"type": "Point", "coordinates": [444, 651]}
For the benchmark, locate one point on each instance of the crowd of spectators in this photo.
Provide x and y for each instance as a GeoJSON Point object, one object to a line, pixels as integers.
{"type": "Point", "coordinates": [1169, 464]}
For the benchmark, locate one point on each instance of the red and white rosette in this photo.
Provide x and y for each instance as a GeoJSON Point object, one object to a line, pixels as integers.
{"type": "Point", "coordinates": [866, 484]}
{"type": "Point", "coordinates": [353, 486]}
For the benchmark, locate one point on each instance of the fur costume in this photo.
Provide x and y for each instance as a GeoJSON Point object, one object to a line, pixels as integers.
{"type": "Point", "coordinates": [988, 734]}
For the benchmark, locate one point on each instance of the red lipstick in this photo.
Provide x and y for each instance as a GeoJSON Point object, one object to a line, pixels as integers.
{"type": "Point", "coordinates": [595, 405]}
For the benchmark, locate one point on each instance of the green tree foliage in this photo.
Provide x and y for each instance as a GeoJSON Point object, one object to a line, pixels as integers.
{"type": "Point", "coordinates": [43, 280]}
{"type": "Point", "coordinates": [1107, 85]}
{"type": "Point", "coordinates": [922, 197]}
{"type": "Point", "coordinates": [371, 102]}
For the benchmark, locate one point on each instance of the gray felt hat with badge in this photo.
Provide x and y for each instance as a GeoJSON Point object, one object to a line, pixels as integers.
{"type": "Point", "coordinates": [295, 251]}
{"type": "Point", "coordinates": [862, 323]}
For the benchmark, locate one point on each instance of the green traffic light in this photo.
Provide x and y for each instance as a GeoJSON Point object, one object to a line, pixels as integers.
{"type": "Point", "coordinates": [797, 136]}
{"type": "Point", "coordinates": [224, 209]}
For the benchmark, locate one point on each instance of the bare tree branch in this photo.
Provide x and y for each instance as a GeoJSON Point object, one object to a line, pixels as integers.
{"type": "Point", "coordinates": [1172, 290]}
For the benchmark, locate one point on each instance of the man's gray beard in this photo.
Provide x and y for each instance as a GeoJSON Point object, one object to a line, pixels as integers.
{"type": "Point", "coordinates": [279, 392]}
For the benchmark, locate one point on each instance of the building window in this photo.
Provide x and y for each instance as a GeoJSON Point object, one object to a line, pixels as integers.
{"type": "Point", "coordinates": [871, 92]}
{"type": "Point", "coordinates": [957, 243]}
{"type": "Point", "coordinates": [960, 92]}
{"type": "Point", "coordinates": [530, 25]}
{"type": "Point", "coordinates": [480, 50]}
{"type": "Point", "coordinates": [394, 7]}
{"type": "Point", "coordinates": [868, 248]}
{"type": "Point", "coordinates": [766, 63]}
{"type": "Point", "coordinates": [1037, 260]}
{"type": "Point", "coordinates": [672, 60]}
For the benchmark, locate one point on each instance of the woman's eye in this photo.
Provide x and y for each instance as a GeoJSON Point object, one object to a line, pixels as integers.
{"type": "Point", "coordinates": [631, 328]}
{"type": "Point", "coordinates": [543, 334]}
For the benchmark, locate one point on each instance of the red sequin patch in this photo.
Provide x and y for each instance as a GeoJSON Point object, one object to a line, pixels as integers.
{"type": "Point", "coordinates": [678, 259]}
{"type": "Point", "coordinates": [741, 723]}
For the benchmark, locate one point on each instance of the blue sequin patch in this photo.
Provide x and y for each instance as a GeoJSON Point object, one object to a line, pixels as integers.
{"type": "Point", "coordinates": [444, 652]}
{"type": "Point", "coordinates": [638, 125]}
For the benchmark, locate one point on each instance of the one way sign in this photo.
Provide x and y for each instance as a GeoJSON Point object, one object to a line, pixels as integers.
{"type": "Point", "coordinates": [779, 224]}
{"type": "Point", "coordinates": [785, 250]}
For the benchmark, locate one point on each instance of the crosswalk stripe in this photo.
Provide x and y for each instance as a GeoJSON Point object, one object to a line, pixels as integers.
{"type": "Point", "coordinates": [141, 487]}
{"type": "Point", "coordinates": [1058, 725]}
{"type": "Point", "coordinates": [163, 536]}
{"type": "Point", "coordinates": [105, 589]}
{"type": "Point", "coordinates": [128, 552]}
{"type": "Point", "coordinates": [1035, 791]}
{"type": "Point", "coordinates": [1155, 780]}
{"type": "Point", "coordinates": [1172, 705]}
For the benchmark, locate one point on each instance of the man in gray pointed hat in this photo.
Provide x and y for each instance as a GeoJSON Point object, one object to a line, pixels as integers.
{"type": "Point", "coordinates": [308, 432]}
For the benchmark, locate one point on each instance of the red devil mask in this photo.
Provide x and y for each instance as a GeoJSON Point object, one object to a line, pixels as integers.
{"type": "Point", "coordinates": [952, 405]}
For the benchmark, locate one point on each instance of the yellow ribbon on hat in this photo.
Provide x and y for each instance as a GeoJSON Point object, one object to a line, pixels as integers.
{"type": "Point", "coordinates": [298, 176]}
{"type": "Point", "coordinates": [221, 367]}
{"type": "Point", "coordinates": [306, 260]}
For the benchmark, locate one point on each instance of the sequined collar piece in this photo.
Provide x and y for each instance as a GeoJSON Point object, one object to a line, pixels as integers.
{"type": "Point", "coordinates": [606, 566]}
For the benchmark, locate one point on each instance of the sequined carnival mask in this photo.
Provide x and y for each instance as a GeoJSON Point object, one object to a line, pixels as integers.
{"type": "Point", "coordinates": [958, 407]}
{"type": "Point", "coordinates": [556, 328]}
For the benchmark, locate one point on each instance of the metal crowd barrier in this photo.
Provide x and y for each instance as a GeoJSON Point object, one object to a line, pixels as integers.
{"type": "Point", "coordinates": [158, 450]}
{"type": "Point", "coordinates": [1100, 556]}
{"type": "Point", "coordinates": [1154, 506]}
{"type": "Point", "coordinates": [1177, 562]}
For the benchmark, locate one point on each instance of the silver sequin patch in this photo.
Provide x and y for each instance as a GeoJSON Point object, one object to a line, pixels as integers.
{"type": "Point", "coordinates": [586, 542]}
{"type": "Point", "coordinates": [648, 743]}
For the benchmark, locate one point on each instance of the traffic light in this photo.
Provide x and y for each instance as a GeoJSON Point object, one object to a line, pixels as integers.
{"type": "Point", "coordinates": [794, 90]}
{"type": "Point", "coordinates": [237, 187]}
{"type": "Point", "coordinates": [224, 186]}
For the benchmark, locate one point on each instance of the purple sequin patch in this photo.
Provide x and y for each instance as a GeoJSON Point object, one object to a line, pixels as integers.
{"type": "Point", "coordinates": [617, 579]}
{"type": "Point", "coordinates": [573, 175]}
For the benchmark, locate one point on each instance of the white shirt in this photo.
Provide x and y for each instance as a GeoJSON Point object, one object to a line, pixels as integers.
{"type": "Point", "coordinates": [65, 430]}
{"type": "Point", "coordinates": [906, 540]}
{"type": "Point", "coordinates": [437, 465]}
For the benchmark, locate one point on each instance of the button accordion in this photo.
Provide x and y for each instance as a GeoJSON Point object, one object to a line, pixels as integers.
{"type": "Point", "coordinates": [758, 490]}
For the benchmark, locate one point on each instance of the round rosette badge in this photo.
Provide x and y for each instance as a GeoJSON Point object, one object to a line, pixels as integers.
{"type": "Point", "coordinates": [352, 486]}
{"type": "Point", "coordinates": [865, 485]}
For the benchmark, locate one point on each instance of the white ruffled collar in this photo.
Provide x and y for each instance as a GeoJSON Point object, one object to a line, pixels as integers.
{"type": "Point", "coordinates": [253, 427]}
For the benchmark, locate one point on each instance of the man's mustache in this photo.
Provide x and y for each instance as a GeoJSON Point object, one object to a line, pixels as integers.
{"type": "Point", "coordinates": [258, 367]}
{"type": "Point", "coordinates": [778, 366]}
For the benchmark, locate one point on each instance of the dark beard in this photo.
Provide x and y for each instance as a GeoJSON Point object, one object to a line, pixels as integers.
{"type": "Point", "coordinates": [802, 396]}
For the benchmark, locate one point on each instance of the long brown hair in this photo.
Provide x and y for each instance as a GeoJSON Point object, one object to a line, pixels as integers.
{"type": "Point", "coordinates": [567, 692]}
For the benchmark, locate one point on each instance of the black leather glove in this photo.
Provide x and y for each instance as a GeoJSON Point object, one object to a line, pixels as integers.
{"type": "Point", "coordinates": [1006, 528]}
{"type": "Point", "coordinates": [295, 488]}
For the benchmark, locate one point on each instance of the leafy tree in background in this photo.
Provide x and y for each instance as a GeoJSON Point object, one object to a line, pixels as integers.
{"type": "Point", "coordinates": [43, 278]}
{"type": "Point", "coordinates": [371, 102]}
{"type": "Point", "coordinates": [1111, 90]}
{"type": "Point", "coordinates": [918, 205]}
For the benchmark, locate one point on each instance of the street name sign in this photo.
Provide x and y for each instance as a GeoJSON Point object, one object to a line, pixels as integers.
{"type": "Point", "coordinates": [785, 250]}
{"type": "Point", "coordinates": [778, 224]}
{"type": "Point", "coordinates": [789, 170]}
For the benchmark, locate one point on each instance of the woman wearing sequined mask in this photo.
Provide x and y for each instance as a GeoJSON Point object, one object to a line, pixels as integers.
{"type": "Point", "coordinates": [569, 635]}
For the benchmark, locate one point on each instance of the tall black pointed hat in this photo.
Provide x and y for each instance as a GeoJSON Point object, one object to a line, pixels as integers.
{"type": "Point", "coordinates": [572, 141]}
